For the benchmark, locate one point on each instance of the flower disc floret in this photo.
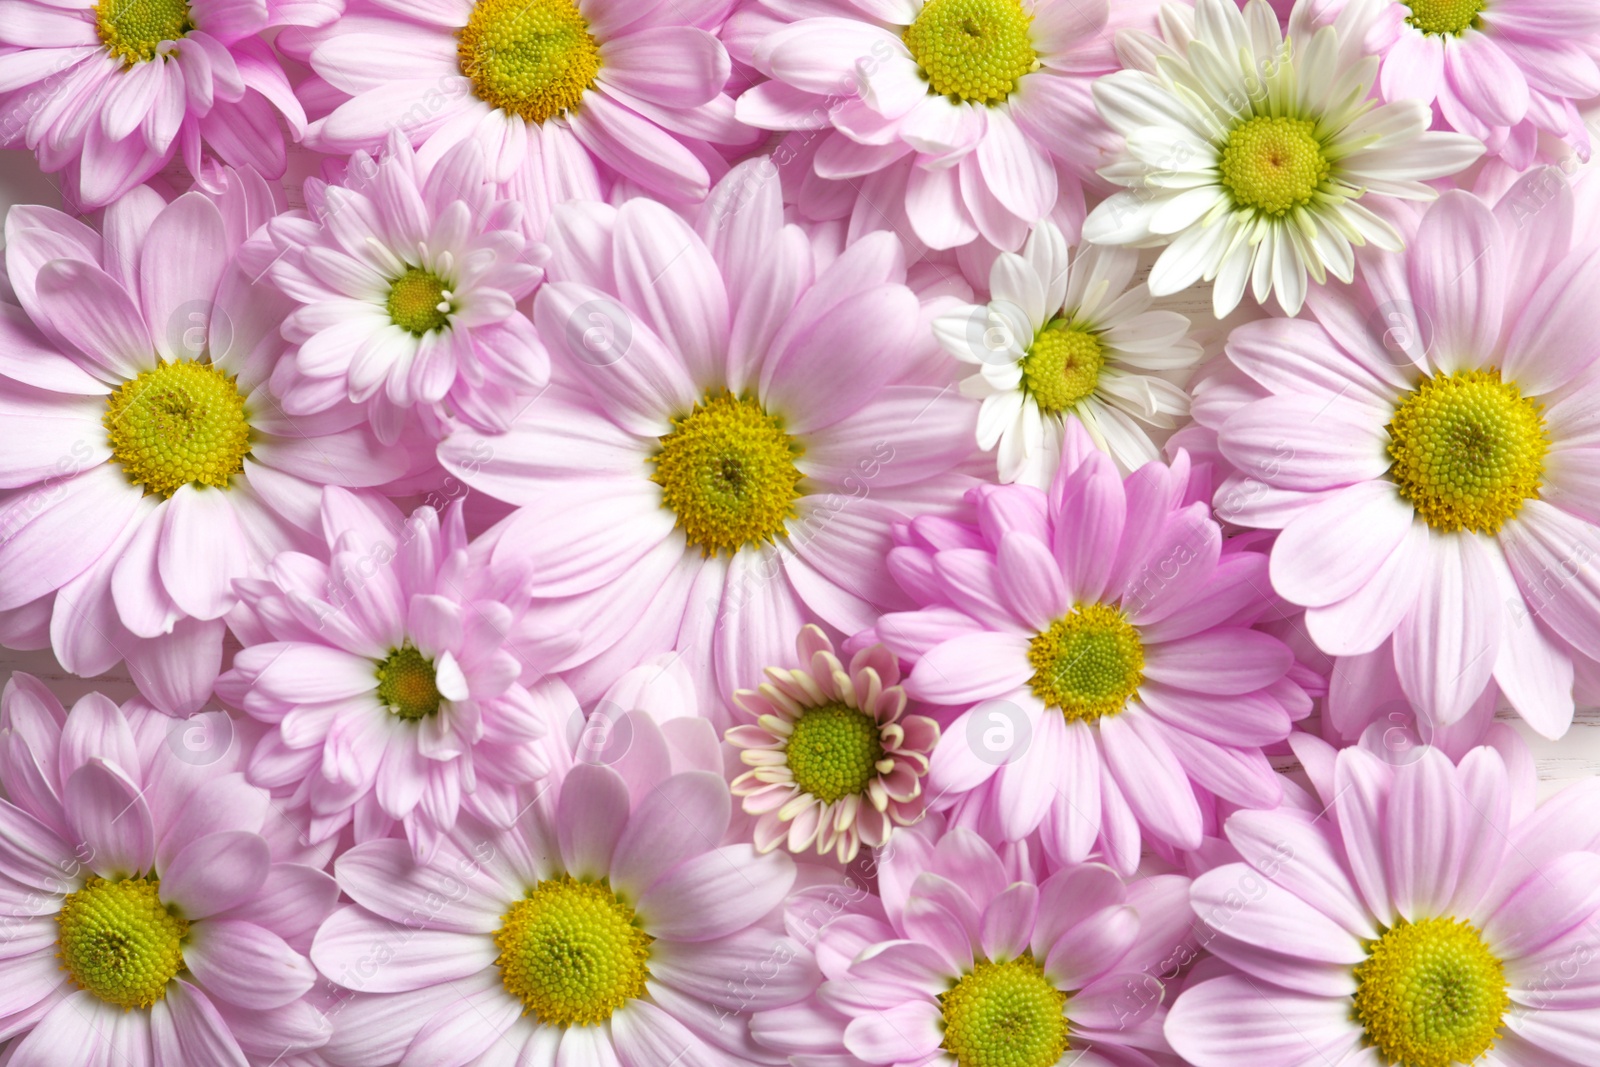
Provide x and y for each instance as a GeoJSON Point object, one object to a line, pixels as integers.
{"type": "Point", "coordinates": [120, 942]}
{"type": "Point", "coordinates": [1444, 16]}
{"type": "Point", "coordinates": [408, 685]}
{"type": "Point", "coordinates": [1273, 164]}
{"type": "Point", "coordinates": [834, 751]}
{"type": "Point", "coordinates": [572, 952]}
{"type": "Point", "coordinates": [1088, 663]}
{"type": "Point", "coordinates": [972, 51]}
{"type": "Point", "coordinates": [1062, 367]}
{"type": "Point", "coordinates": [132, 29]}
{"type": "Point", "coordinates": [1468, 450]}
{"type": "Point", "coordinates": [727, 471]}
{"type": "Point", "coordinates": [183, 423]}
{"type": "Point", "coordinates": [533, 58]}
{"type": "Point", "coordinates": [1431, 994]}
{"type": "Point", "coordinates": [1005, 1015]}
{"type": "Point", "coordinates": [419, 301]}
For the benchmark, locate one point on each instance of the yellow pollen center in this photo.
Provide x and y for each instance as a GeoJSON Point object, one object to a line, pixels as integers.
{"type": "Point", "coordinates": [119, 942]}
{"type": "Point", "coordinates": [419, 302]}
{"type": "Point", "coordinates": [181, 424]}
{"type": "Point", "coordinates": [1088, 663]}
{"type": "Point", "coordinates": [1062, 367]}
{"type": "Point", "coordinates": [131, 29]}
{"type": "Point", "coordinates": [1273, 164]}
{"type": "Point", "coordinates": [834, 751]}
{"type": "Point", "coordinates": [972, 51]}
{"type": "Point", "coordinates": [1468, 449]}
{"type": "Point", "coordinates": [727, 471]}
{"type": "Point", "coordinates": [1005, 1015]}
{"type": "Point", "coordinates": [1431, 994]}
{"type": "Point", "coordinates": [407, 685]}
{"type": "Point", "coordinates": [1444, 16]}
{"type": "Point", "coordinates": [572, 952]}
{"type": "Point", "coordinates": [534, 58]}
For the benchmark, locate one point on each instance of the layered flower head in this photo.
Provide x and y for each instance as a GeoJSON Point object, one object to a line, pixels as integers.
{"type": "Point", "coordinates": [1254, 156]}
{"type": "Point", "coordinates": [1066, 338]}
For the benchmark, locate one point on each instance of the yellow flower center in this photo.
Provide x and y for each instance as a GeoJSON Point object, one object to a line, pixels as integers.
{"type": "Point", "coordinates": [419, 302]}
{"type": "Point", "coordinates": [1088, 663]}
{"type": "Point", "coordinates": [1062, 367]}
{"type": "Point", "coordinates": [1005, 1015]}
{"type": "Point", "coordinates": [834, 751]}
{"type": "Point", "coordinates": [407, 685]}
{"type": "Point", "coordinates": [1273, 164]}
{"type": "Point", "coordinates": [1468, 449]}
{"type": "Point", "coordinates": [727, 470]}
{"type": "Point", "coordinates": [181, 424]}
{"type": "Point", "coordinates": [572, 952]}
{"type": "Point", "coordinates": [131, 29]}
{"type": "Point", "coordinates": [972, 51]}
{"type": "Point", "coordinates": [1444, 16]}
{"type": "Point", "coordinates": [1431, 994]}
{"type": "Point", "coordinates": [119, 942]}
{"type": "Point", "coordinates": [534, 58]}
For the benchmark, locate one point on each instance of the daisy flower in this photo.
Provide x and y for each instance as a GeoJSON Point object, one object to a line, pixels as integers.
{"type": "Point", "coordinates": [1426, 448]}
{"type": "Point", "coordinates": [1253, 157]}
{"type": "Point", "coordinates": [600, 930]}
{"type": "Point", "coordinates": [970, 958]}
{"type": "Point", "coordinates": [407, 278]}
{"type": "Point", "coordinates": [1095, 645]}
{"type": "Point", "coordinates": [564, 97]}
{"type": "Point", "coordinates": [153, 911]}
{"type": "Point", "coordinates": [834, 759]}
{"type": "Point", "coordinates": [1432, 919]}
{"type": "Point", "coordinates": [107, 93]}
{"type": "Point", "coordinates": [1067, 339]}
{"type": "Point", "coordinates": [975, 114]}
{"type": "Point", "coordinates": [147, 463]}
{"type": "Point", "coordinates": [730, 432]}
{"type": "Point", "coordinates": [388, 677]}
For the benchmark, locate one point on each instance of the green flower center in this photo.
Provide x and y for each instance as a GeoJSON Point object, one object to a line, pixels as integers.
{"type": "Point", "coordinates": [972, 51]}
{"type": "Point", "coordinates": [1444, 16]}
{"type": "Point", "coordinates": [131, 29]}
{"type": "Point", "coordinates": [834, 751]}
{"type": "Point", "coordinates": [572, 952]}
{"type": "Point", "coordinates": [1088, 663]}
{"type": "Point", "coordinates": [1468, 449]}
{"type": "Point", "coordinates": [534, 58]}
{"type": "Point", "coordinates": [119, 942]}
{"type": "Point", "coordinates": [1273, 164]}
{"type": "Point", "coordinates": [181, 424]}
{"type": "Point", "coordinates": [1005, 1015]}
{"type": "Point", "coordinates": [1431, 994]}
{"type": "Point", "coordinates": [407, 685]}
{"type": "Point", "coordinates": [727, 471]}
{"type": "Point", "coordinates": [419, 302]}
{"type": "Point", "coordinates": [1062, 367]}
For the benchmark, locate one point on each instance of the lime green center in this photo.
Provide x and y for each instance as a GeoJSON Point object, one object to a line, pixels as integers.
{"type": "Point", "coordinates": [407, 685]}
{"type": "Point", "coordinates": [1444, 16]}
{"type": "Point", "coordinates": [972, 51]}
{"type": "Point", "coordinates": [727, 471]}
{"type": "Point", "coordinates": [834, 751]}
{"type": "Point", "coordinates": [181, 424]}
{"type": "Point", "coordinates": [1431, 994]}
{"type": "Point", "coordinates": [533, 58]}
{"type": "Point", "coordinates": [1005, 1015]}
{"type": "Point", "coordinates": [1088, 663]}
{"type": "Point", "coordinates": [1062, 367]}
{"type": "Point", "coordinates": [119, 942]}
{"type": "Point", "coordinates": [1468, 449]}
{"type": "Point", "coordinates": [572, 952]}
{"type": "Point", "coordinates": [419, 302]}
{"type": "Point", "coordinates": [131, 29]}
{"type": "Point", "coordinates": [1273, 164]}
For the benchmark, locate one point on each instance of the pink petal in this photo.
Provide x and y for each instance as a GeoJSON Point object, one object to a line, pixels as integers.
{"type": "Point", "coordinates": [108, 815]}
{"type": "Point", "coordinates": [1232, 1021]}
{"type": "Point", "coordinates": [671, 824]}
{"type": "Point", "coordinates": [216, 872]}
{"type": "Point", "coordinates": [1332, 549]}
{"type": "Point", "coordinates": [715, 894]}
{"type": "Point", "coordinates": [1454, 268]}
{"type": "Point", "coordinates": [243, 964]}
{"type": "Point", "coordinates": [590, 817]}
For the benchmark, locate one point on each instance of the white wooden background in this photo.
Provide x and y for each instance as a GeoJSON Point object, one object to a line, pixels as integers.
{"type": "Point", "coordinates": [1577, 755]}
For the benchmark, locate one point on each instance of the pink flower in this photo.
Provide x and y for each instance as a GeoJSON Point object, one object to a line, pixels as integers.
{"type": "Point", "coordinates": [731, 429]}
{"type": "Point", "coordinates": [156, 911]}
{"type": "Point", "coordinates": [387, 676]}
{"type": "Point", "coordinates": [1431, 916]}
{"type": "Point", "coordinates": [109, 92]}
{"type": "Point", "coordinates": [1096, 646]}
{"type": "Point", "coordinates": [146, 464]}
